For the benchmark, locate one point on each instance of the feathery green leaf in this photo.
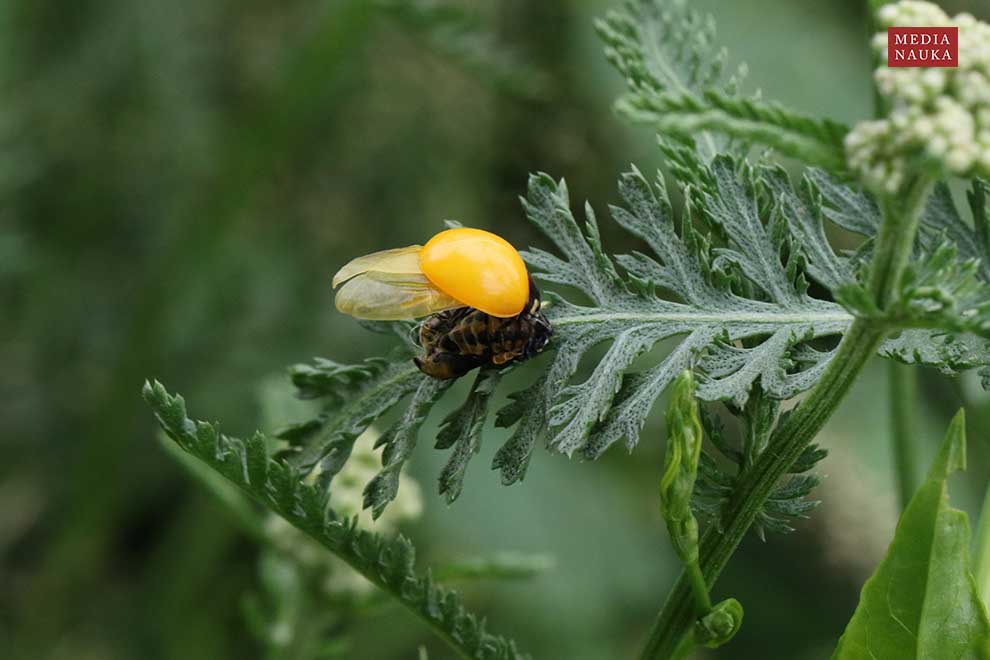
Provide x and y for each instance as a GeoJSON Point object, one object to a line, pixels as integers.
{"type": "Point", "coordinates": [462, 431]}
{"type": "Point", "coordinates": [356, 396]}
{"type": "Point", "coordinates": [727, 283]}
{"type": "Point", "coordinates": [939, 291]}
{"type": "Point", "coordinates": [736, 301]}
{"type": "Point", "coordinates": [942, 287]}
{"type": "Point", "coordinates": [718, 481]}
{"type": "Point", "coordinates": [747, 287]}
{"type": "Point", "coordinates": [665, 52]}
{"type": "Point", "coordinates": [387, 563]}
{"type": "Point", "coordinates": [399, 442]}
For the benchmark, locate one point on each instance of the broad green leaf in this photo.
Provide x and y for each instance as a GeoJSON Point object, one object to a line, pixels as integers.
{"type": "Point", "coordinates": [922, 602]}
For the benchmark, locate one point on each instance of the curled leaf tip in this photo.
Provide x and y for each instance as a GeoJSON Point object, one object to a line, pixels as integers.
{"type": "Point", "coordinates": [720, 625]}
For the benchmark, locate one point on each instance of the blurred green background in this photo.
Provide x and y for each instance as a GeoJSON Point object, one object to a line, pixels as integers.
{"type": "Point", "coordinates": [178, 181]}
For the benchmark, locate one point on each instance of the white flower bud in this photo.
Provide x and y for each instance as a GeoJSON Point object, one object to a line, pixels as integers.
{"type": "Point", "coordinates": [959, 160]}
{"type": "Point", "coordinates": [941, 113]}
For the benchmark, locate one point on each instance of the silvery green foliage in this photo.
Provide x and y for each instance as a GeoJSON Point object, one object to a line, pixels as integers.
{"type": "Point", "coordinates": [389, 563]}
{"type": "Point", "coordinates": [677, 80]}
{"type": "Point", "coordinates": [726, 283]}
{"type": "Point", "coordinates": [734, 298]}
{"type": "Point", "coordinates": [938, 291]}
{"type": "Point", "coordinates": [947, 280]}
{"type": "Point", "coordinates": [462, 430]}
{"type": "Point", "coordinates": [854, 210]}
{"type": "Point", "coordinates": [738, 305]}
{"type": "Point", "coordinates": [354, 396]}
{"type": "Point", "coordinates": [718, 479]}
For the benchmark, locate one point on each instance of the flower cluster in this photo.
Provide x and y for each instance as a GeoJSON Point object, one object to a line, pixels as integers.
{"type": "Point", "coordinates": [937, 115]}
{"type": "Point", "coordinates": [347, 494]}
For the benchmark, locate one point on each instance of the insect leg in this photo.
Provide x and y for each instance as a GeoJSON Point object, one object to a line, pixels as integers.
{"type": "Point", "coordinates": [444, 365]}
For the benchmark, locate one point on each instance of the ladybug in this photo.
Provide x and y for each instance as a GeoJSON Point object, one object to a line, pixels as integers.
{"type": "Point", "coordinates": [482, 306]}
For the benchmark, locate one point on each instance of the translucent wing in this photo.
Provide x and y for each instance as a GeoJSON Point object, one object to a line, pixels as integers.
{"type": "Point", "coordinates": [366, 297]}
{"type": "Point", "coordinates": [400, 264]}
{"type": "Point", "coordinates": [389, 286]}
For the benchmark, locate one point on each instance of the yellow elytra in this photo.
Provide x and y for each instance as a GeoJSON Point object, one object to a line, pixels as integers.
{"type": "Point", "coordinates": [459, 267]}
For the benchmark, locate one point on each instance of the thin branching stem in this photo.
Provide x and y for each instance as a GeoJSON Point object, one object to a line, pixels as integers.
{"type": "Point", "coordinates": [902, 379]}
{"type": "Point", "coordinates": [684, 649]}
{"type": "Point", "coordinates": [698, 586]}
{"type": "Point", "coordinates": [903, 426]}
{"type": "Point", "coordinates": [893, 249]}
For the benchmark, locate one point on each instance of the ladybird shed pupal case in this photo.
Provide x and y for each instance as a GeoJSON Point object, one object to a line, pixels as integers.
{"type": "Point", "coordinates": [483, 307]}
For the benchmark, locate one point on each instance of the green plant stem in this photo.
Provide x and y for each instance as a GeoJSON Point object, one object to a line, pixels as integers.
{"type": "Point", "coordinates": [702, 604]}
{"type": "Point", "coordinates": [903, 424]}
{"type": "Point", "coordinates": [699, 587]}
{"type": "Point", "coordinates": [895, 240]}
{"type": "Point", "coordinates": [684, 648]}
{"type": "Point", "coordinates": [893, 249]}
{"type": "Point", "coordinates": [717, 546]}
{"type": "Point", "coordinates": [982, 558]}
